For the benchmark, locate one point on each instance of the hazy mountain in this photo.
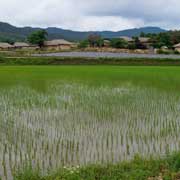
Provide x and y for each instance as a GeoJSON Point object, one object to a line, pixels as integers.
{"type": "Point", "coordinates": [9, 32]}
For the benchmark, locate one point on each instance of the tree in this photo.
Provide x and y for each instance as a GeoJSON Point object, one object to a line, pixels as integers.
{"type": "Point", "coordinates": [95, 40]}
{"type": "Point", "coordinates": [38, 37]}
{"type": "Point", "coordinates": [119, 43]}
{"type": "Point", "coordinates": [8, 40]}
{"type": "Point", "coordinates": [142, 34]}
{"type": "Point", "coordinates": [138, 44]}
{"type": "Point", "coordinates": [83, 44]}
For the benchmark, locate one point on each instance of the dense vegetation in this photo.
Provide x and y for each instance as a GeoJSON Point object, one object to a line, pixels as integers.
{"type": "Point", "coordinates": [87, 61]}
{"type": "Point", "coordinates": [167, 168]}
{"type": "Point", "coordinates": [38, 38]}
{"type": "Point", "coordinates": [163, 41]}
{"type": "Point", "coordinates": [168, 39]}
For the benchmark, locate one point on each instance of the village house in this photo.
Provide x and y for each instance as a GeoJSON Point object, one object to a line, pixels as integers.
{"type": "Point", "coordinates": [58, 44]}
{"type": "Point", "coordinates": [23, 45]}
{"type": "Point", "coordinates": [145, 41]}
{"type": "Point", "coordinates": [177, 47]}
{"type": "Point", "coordinates": [107, 43]}
{"type": "Point", "coordinates": [5, 46]}
{"type": "Point", "coordinates": [127, 39]}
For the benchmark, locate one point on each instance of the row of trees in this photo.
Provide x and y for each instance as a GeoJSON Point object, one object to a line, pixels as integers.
{"type": "Point", "coordinates": [168, 39]}
{"type": "Point", "coordinates": [96, 40]}
{"type": "Point", "coordinates": [37, 38]}
{"type": "Point", "coordinates": [121, 43]}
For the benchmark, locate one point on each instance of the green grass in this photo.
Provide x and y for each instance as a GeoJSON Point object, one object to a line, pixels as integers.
{"type": "Point", "coordinates": [166, 78]}
{"type": "Point", "coordinates": [89, 116]}
{"type": "Point", "coordinates": [23, 60]}
{"type": "Point", "coordinates": [167, 168]}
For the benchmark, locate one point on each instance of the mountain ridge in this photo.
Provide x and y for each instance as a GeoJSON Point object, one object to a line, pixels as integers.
{"type": "Point", "coordinates": [10, 32]}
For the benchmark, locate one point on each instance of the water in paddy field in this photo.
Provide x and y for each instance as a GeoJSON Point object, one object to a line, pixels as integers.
{"type": "Point", "coordinates": [74, 124]}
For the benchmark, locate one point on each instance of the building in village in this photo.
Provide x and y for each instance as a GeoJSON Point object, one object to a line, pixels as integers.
{"type": "Point", "coordinates": [177, 47]}
{"type": "Point", "coordinates": [127, 39]}
{"type": "Point", "coordinates": [23, 45]}
{"type": "Point", "coordinates": [59, 44]}
{"type": "Point", "coordinates": [107, 43]}
{"type": "Point", "coordinates": [5, 46]}
{"type": "Point", "coordinates": [146, 42]}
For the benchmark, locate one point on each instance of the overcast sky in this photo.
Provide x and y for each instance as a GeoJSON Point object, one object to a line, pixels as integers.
{"type": "Point", "coordinates": [92, 14]}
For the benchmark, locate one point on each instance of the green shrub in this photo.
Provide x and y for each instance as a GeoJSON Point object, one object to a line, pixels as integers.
{"type": "Point", "coordinates": [176, 52]}
{"type": "Point", "coordinates": [131, 46]}
{"type": "Point", "coordinates": [118, 43]}
{"type": "Point", "coordinates": [1, 59]}
{"type": "Point", "coordinates": [28, 174]}
{"type": "Point", "coordinates": [83, 44]}
{"type": "Point", "coordinates": [137, 169]}
{"type": "Point", "coordinates": [160, 51]}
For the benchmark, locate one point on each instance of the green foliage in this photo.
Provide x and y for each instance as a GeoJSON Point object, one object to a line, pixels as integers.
{"type": "Point", "coordinates": [174, 161]}
{"type": "Point", "coordinates": [86, 61]}
{"type": "Point", "coordinates": [132, 46]}
{"type": "Point", "coordinates": [138, 44]}
{"type": "Point", "coordinates": [28, 174]}
{"type": "Point", "coordinates": [164, 39]}
{"type": "Point", "coordinates": [174, 36]}
{"type": "Point", "coordinates": [83, 44]}
{"type": "Point", "coordinates": [7, 40]}
{"type": "Point", "coordinates": [142, 34]}
{"type": "Point", "coordinates": [138, 169]}
{"type": "Point", "coordinates": [1, 58]}
{"type": "Point", "coordinates": [38, 37]}
{"type": "Point", "coordinates": [95, 40]}
{"type": "Point", "coordinates": [176, 52]}
{"type": "Point", "coordinates": [118, 43]}
{"type": "Point", "coordinates": [160, 51]}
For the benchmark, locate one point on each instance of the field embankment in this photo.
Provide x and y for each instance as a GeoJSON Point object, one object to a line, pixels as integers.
{"type": "Point", "coordinates": [167, 168]}
{"type": "Point", "coordinates": [88, 61]}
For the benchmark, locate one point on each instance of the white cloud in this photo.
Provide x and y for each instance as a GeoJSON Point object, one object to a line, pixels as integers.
{"type": "Point", "coordinates": [91, 15]}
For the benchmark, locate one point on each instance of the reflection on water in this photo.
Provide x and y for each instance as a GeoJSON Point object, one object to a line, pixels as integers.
{"type": "Point", "coordinates": [63, 124]}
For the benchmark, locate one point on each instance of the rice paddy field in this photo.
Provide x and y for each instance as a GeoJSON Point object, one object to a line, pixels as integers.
{"type": "Point", "coordinates": [64, 116]}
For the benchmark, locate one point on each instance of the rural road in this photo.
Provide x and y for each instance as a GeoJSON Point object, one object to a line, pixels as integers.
{"type": "Point", "coordinates": [107, 54]}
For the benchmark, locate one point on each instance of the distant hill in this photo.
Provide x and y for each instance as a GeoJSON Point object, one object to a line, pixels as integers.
{"type": "Point", "coordinates": [12, 33]}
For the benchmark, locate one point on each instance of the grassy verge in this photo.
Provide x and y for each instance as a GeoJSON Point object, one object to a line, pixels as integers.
{"type": "Point", "coordinates": [167, 168]}
{"type": "Point", "coordinates": [86, 61]}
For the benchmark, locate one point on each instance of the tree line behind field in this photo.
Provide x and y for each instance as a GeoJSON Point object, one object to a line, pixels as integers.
{"type": "Point", "coordinates": [168, 39]}
{"type": "Point", "coordinates": [164, 39]}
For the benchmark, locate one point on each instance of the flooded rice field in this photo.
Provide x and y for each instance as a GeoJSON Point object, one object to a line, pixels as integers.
{"type": "Point", "coordinates": [76, 124]}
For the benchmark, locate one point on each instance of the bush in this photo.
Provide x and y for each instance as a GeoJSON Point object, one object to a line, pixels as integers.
{"type": "Point", "coordinates": [176, 52]}
{"type": "Point", "coordinates": [28, 174]}
{"type": "Point", "coordinates": [83, 44]}
{"type": "Point", "coordinates": [138, 169]}
{"type": "Point", "coordinates": [160, 51]}
{"type": "Point", "coordinates": [118, 43]}
{"type": "Point", "coordinates": [1, 59]}
{"type": "Point", "coordinates": [132, 46]}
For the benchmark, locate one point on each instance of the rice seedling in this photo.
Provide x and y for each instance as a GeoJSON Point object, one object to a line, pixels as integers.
{"type": "Point", "coordinates": [75, 124]}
